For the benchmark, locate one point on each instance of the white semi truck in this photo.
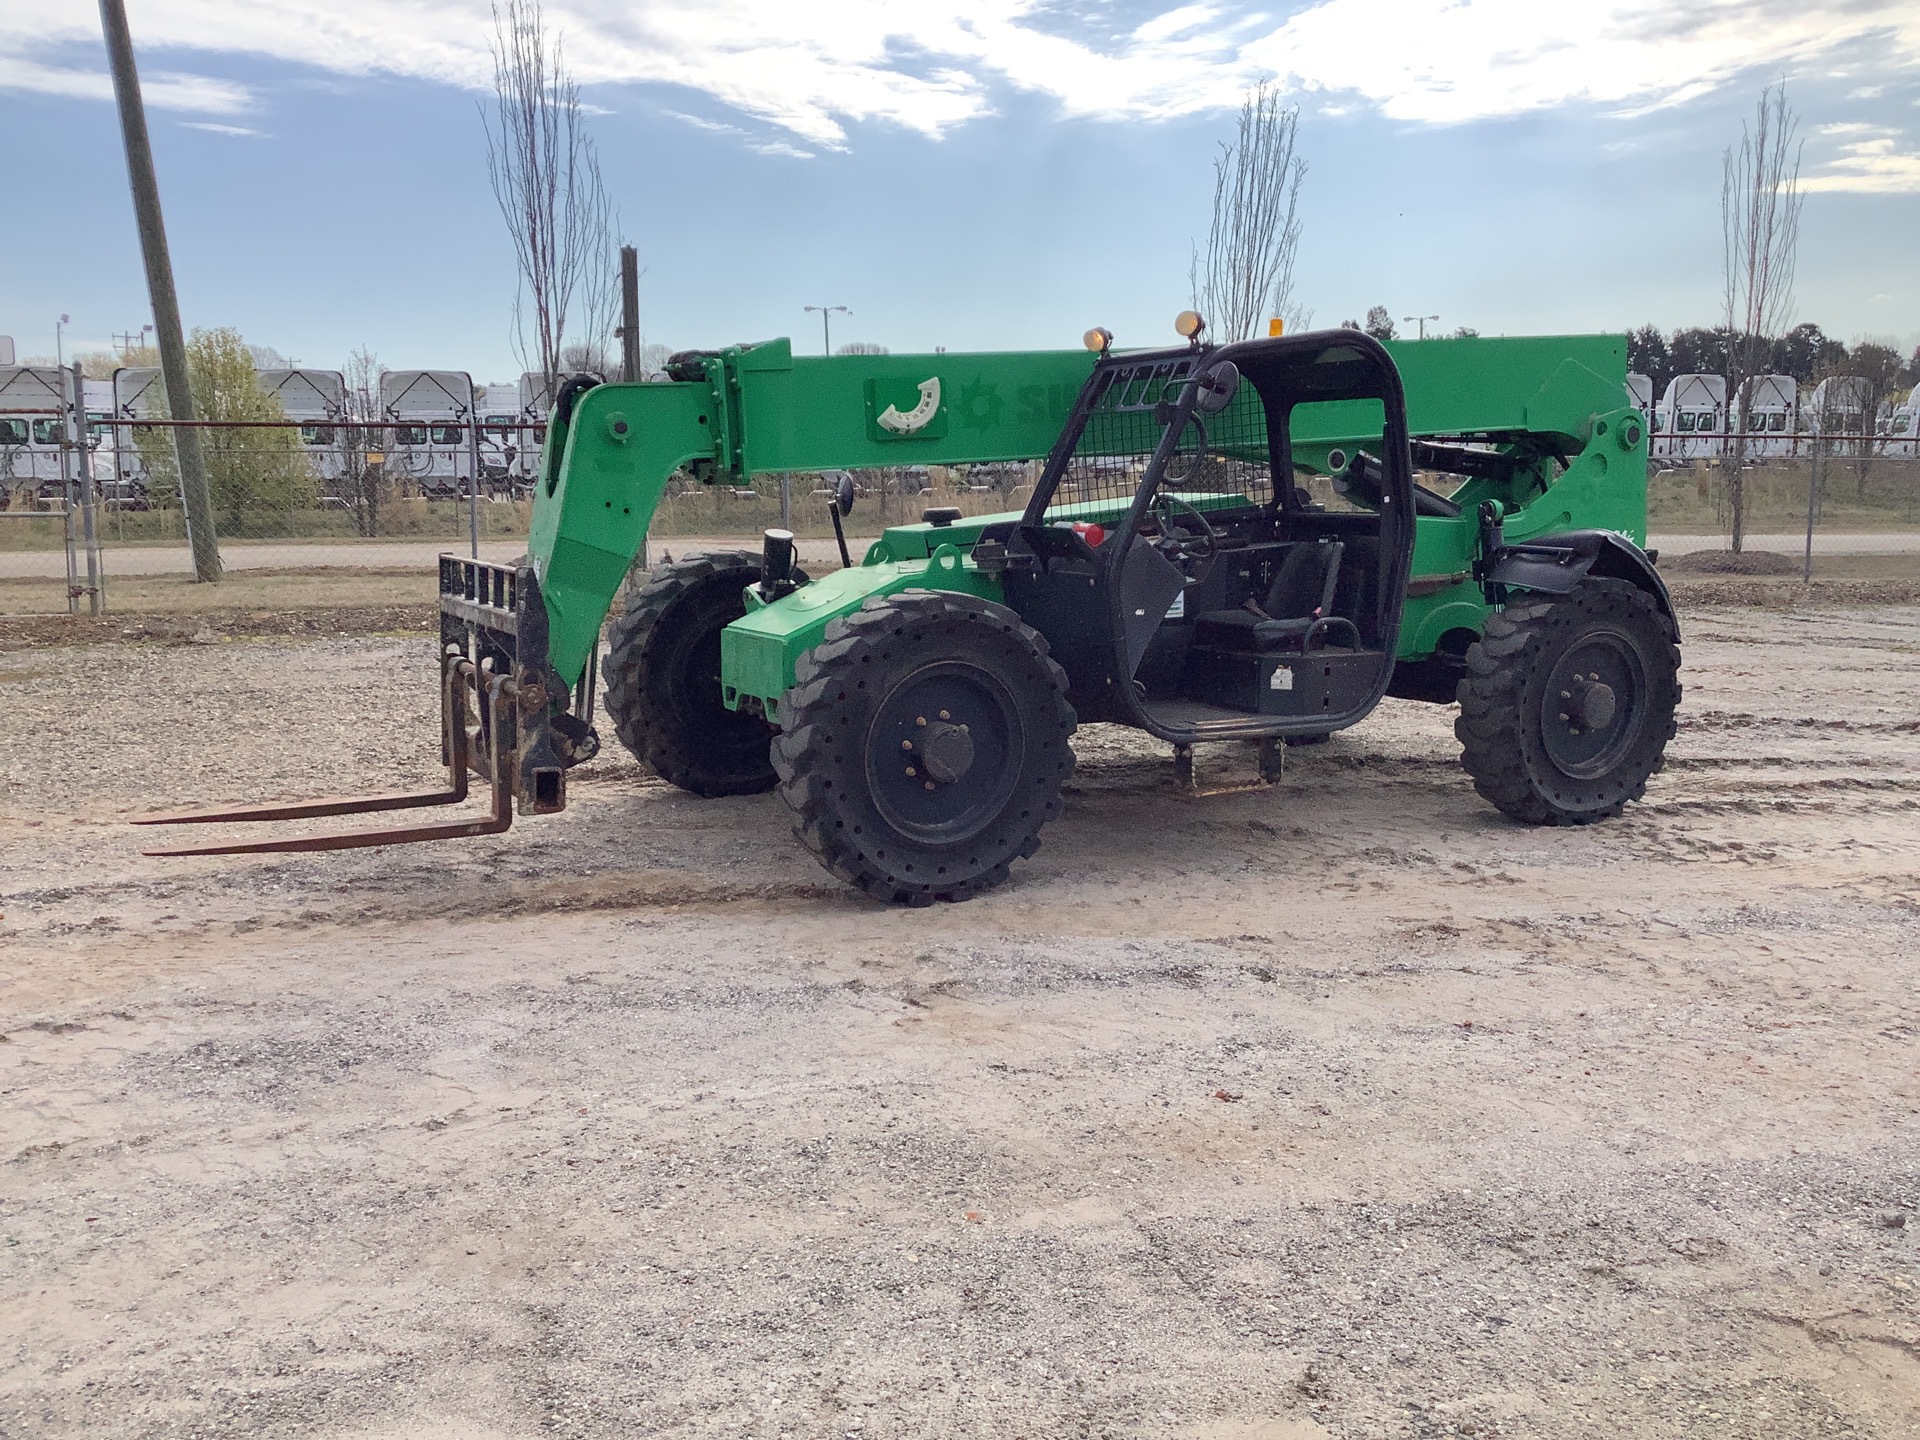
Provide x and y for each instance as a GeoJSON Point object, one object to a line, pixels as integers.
{"type": "Point", "coordinates": [317, 399]}
{"type": "Point", "coordinates": [1691, 418]}
{"type": "Point", "coordinates": [427, 413]}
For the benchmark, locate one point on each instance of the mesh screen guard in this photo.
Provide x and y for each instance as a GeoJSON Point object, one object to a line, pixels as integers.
{"type": "Point", "coordinates": [1125, 421]}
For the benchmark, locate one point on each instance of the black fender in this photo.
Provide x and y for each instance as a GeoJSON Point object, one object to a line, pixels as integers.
{"type": "Point", "coordinates": [1554, 564]}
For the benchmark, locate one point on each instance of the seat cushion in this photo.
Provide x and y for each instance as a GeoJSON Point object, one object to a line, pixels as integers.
{"type": "Point", "coordinates": [1244, 630]}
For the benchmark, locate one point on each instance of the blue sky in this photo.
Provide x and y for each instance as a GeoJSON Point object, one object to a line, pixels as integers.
{"type": "Point", "coordinates": [997, 174]}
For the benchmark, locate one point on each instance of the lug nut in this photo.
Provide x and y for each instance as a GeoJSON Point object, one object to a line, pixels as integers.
{"type": "Point", "coordinates": [911, 771]}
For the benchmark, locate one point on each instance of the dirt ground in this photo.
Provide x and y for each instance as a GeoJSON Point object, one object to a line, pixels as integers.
{"type": "Point", "coordinates": [1346, 1109]}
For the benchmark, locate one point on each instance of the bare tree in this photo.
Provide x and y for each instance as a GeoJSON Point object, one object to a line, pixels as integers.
{"type": "Point", "coordinates": [362, 483]}
{"type": "Point", "coordinates": [1878, 366]}
{"type": "Point", "coordinates": [1760, 226]}
{"type": "Point", "coordinates": [589, 355]}
{"type": "Point", "coordinates": [546, 179]}
{"type": "Point", "coordinates": [1246, 275]}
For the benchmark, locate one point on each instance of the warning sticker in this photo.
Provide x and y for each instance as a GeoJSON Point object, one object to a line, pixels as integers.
{"type": "Point", "coordinates": [1178, 609]}
{"type": "Point", "coordinates": [1282, 678]}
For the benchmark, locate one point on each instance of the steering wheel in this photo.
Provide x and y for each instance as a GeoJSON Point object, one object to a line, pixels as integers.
{"type": "Point", "coordinates": [1201, 542]}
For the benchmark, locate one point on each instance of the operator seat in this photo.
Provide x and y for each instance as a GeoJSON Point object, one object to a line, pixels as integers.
{"type": "Point", "coordinates": [1293, 614]}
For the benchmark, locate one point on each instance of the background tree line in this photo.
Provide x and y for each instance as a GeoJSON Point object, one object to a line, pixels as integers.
{"type": "Point", "coordinates": [1805, 352]}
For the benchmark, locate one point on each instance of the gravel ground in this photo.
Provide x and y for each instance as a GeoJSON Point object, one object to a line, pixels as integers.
{"type": "Point", "coordinates": [1347, 1109]}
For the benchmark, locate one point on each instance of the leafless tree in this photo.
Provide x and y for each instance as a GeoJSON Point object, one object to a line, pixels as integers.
{"type": "Point", "coordinates": [1246, 275]}
{"type": "Point", "coordinates": [362, 482]}
{"type": "Point", "coordinates": [546, 179]}
{"type": "Point", "coordinates": [1877, 364]}
{"type": "Point", "coordinates": [861, 347]}
{"type": "Point", "coordinates": [1760, 226]}
{"type": "Point", "coordinates": [594, 356]}
{"type": "Point", "coordinates": [653, 359]}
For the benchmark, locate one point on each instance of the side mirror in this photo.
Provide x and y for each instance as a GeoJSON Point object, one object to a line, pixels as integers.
{"type": "Point", "coordinates": [1218, 384]}
{"type": "Point", "coordinates": [843, 495]}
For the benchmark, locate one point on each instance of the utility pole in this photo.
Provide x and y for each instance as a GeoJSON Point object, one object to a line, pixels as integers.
{"type": "Point", "coordinates": [1422, 319]}
{"type": "Point", "coordinates": [629, 313]}
{"type": "Point", "coordinates": [129, 339]}
{"type": "Point", "coordinates": [166, 304]}
{"type": "Point", "coordinates": [826, 311]}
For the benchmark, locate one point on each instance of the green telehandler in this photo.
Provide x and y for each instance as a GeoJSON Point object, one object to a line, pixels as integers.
{"type": "Point", "coordinates": [1253, 541]}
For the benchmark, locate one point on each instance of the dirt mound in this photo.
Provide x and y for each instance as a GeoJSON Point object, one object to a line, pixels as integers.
{"type": "Point", "coordinates": [1731, 562]}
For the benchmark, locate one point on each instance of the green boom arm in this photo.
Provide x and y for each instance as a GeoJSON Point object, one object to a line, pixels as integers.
{"type": "Point", "coordinates": [759, 409]}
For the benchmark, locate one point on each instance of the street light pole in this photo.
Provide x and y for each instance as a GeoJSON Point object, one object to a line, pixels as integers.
{"type": "Point", "coordinates": [194, 493]}
{"type": "Point", "coordinates": [59, 342]}
{"type": "Point", "coordinates": [826, 334]}
{"type": "Point", "coordinates": [1409, 319]}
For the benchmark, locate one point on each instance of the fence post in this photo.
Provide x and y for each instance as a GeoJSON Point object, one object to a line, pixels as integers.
{"type": "Point", "coordinates": [66, 535]}
{"type": "Point", "coordinates": [83, 474]}
{"type": "Point", "coordinates": [786, 500]}
{"type": "Point", "coordinates": [473, 481]}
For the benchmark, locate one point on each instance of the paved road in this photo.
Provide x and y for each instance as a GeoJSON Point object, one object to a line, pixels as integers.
{"type": "Point", "coordinates": [420, 554]}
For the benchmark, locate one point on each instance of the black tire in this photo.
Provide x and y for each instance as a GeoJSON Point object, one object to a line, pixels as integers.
{"type": "Point", "coordinates": [1568, 703]}
{"type": "Point", "coordinates": [924, 744]}
{"type": "Point", "coordinates": [663, 679]}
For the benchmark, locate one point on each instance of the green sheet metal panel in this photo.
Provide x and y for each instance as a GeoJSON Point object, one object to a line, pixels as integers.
{"type": "Point", "coordinates": [866, 411]}
{"type": "Point", "coordinates": [600, 485]}
{"type": "Point", "coordinates": [759, 651]}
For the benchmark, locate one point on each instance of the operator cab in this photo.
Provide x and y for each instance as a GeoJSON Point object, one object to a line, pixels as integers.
{"type": "Point", "coordinates": [1245, 591]}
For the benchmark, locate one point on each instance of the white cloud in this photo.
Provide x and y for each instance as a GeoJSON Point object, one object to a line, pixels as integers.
{"type": "Point", "coordinates": [811, 69]}
{"type": "Point", "coordinates": [163, 90]}
{"type": "Point", "coordinates": [700, 122]}
{"type": "Point", "coordinates": [780, 147]}
{"type": "Point", "coordinates": [237, 131]}
{"type": "Point", "coordinates": [1455, 60]}
{"type": "Point", "coordinates": [1871, 165]}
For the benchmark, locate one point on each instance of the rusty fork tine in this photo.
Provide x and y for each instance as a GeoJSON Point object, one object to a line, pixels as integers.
{"type": "Point", "coordinates": [454, 735]}
{"type": "Point", "coordinates": [493, 824]}
{"type": "Point", "coordinates": [310, 809]}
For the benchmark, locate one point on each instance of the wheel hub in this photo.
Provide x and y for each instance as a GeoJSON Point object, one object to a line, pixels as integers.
{"type": "Point", "coordinates": [947, 752]}
{"type": "Point", "coordinates": [943, 752]}
{"type": "Point", "coordinates": [1591, 704]}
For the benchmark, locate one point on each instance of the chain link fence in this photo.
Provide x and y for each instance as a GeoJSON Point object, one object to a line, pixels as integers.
{"type": "Point", "coordinates": [88, 505]}
{"type": "Point", "coordinates": [286, 496]}
{"type": "Point", "coordinates": [297, 496]}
